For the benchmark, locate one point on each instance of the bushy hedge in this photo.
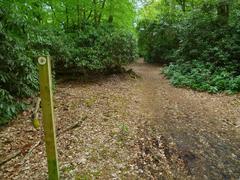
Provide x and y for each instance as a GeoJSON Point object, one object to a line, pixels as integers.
{"type": "Point", "coordinates": [208, 57]}
{"type": "Point", "coordinates": [84, 51]}
{"type": "Point", "coordinates": [94, 49]}
{"type": "Point", "coordinates": [198, 49]}
{"type": "Point", "coordinates": [18, 76]}
{"type": "Point", "coordinates": [203, 77]}
{"type": "Point", "coordinates": [158, 39]}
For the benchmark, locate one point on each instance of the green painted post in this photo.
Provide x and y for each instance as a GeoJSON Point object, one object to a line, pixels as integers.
{"type": "Point", "coordinates": [45, 75]}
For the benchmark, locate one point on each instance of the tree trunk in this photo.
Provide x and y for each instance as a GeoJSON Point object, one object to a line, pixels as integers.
{"type": "Point", "coordinates": [67, 18]}
{"type": "Point", "coordinates": [184, 5]}
{"type": "Point", "coordinates": [78, 13]}
{"type": "Point", "coordinates": [110, 19]}
{"type": "Point", "coordinates": [223, 12]}
{"type": "Point", "coordinates": [95, 12]}
{"type": "Point", "coordinates": [100, 14]}
{"type": "Point", "coordinates": [53, 13]}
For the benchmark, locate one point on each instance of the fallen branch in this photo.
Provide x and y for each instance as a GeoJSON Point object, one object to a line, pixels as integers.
{"type": "Point", "coordinates": [74, 126]}
{"type": "Point", "coordinates": [10, 157]}
{"type": "Point", "coordinates": [30, 151]}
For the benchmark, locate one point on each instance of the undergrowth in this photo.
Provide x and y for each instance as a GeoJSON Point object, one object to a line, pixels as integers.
{"type": "Point", "coordinates": [203, 77]}
{"type": "Point", "coordinates": [200, 47]}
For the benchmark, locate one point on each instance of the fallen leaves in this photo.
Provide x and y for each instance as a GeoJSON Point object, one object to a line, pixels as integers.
{"type": "Point", "coordinates": [118, 127]}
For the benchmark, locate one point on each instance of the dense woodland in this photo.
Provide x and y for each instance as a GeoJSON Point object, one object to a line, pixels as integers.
{"type": "Point", "coordinates": [81, 36]}
{"type": "Point", "coordinates": [198, 42]}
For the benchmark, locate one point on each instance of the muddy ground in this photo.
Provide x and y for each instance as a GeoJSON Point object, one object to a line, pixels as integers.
{"type": "Point", "coordinates": [130, 127]}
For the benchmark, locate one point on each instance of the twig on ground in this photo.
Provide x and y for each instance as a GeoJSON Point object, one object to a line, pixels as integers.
{"type": "Point", "coordinates": [74, 126]}
{"type": "Point", "coordinates": [10, 157]}
{"type": "Point", "coordinates": [19, 152]}
{"type": "Point", "coordinates": [30, 151]}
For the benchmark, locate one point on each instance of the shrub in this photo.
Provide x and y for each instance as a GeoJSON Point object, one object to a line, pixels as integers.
{"type": "Point", "coordinates": [202, 77]}
{"type": "Point", "coordinates": [78, 43]}
{"type": "Point", "coordinates": [208, 57]}
{"type": "Point", "coordinates": [18, 76]}
{"type": "Point", "coordinates": [158, 39]}
{"type": "Point", "coordinates": [203, 50]}
{"type": "Point", "coordinates": [93, 50]}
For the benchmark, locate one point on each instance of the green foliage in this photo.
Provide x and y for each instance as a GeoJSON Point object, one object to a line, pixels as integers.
{"type": "Point", "coordinates": [202, 43]}
{"type": "Point", "coordinates": [8, 106]}
{"type": "Point", "coordinates": [158, 39]}
{"type": "Point", "coordinates": [202, 77]}
{"type": "Point", "coordinates": [92, 50]}
{"type": "Point", "coordinates": [208, 56]}
{"type": "Point", "coordinates": [18, 75]}
{"type": "Point", "coordinates": [119, 48]}
{"type": "Point", "coordinates": [81, 36]}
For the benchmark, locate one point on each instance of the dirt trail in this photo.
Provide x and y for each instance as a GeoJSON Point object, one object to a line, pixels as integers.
{"type": "Point", "coordinates": [131, 128]}
{"type": "Point", "coordinates": [198, 132]}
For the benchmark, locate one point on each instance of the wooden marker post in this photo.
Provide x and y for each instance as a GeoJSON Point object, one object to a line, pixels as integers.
{"type": "Point", "coordinates": [48, 116]}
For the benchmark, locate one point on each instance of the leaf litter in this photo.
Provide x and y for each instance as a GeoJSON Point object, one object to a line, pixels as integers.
{"type": "Point", "coordinates": [122, 127]}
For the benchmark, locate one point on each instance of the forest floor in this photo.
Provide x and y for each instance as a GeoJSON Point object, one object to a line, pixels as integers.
{"type": "Point", "coordinates": [130, 127]}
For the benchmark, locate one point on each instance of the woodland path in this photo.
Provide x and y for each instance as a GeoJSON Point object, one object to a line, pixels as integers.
{"type": "Point", "coordinates": [197, 130]}
{"type": "Point", "coordinates": [131, 128]}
